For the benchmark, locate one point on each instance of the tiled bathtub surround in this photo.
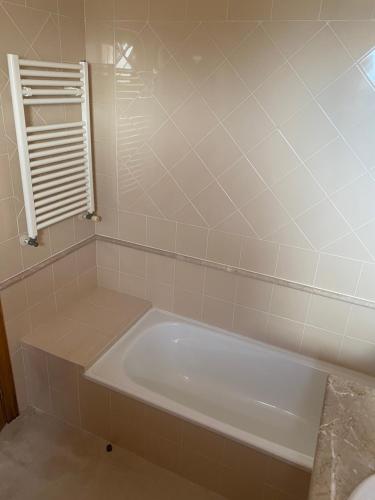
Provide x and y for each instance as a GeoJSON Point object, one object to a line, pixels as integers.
{"type": "Point", "coordinates": [50, 30]}
{"type": "Point", "coordinates": [317, 326]}
{"type": "Point", "coordinates": [206, 458]}
{"type": "Point", "coordinates": [239, 131]}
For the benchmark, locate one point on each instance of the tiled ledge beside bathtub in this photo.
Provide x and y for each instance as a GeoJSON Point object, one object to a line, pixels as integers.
{"type": "Point", "coordinates": [81, 331]}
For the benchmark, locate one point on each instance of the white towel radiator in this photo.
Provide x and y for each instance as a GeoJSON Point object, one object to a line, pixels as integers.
{"type": "Point", "coordinates": [55, 160]}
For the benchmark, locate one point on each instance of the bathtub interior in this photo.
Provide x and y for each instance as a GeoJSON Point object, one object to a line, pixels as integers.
{"type": "Point", "coordinates": [248, 387]}
{"type": "Point", "coordinates": [260, 395]}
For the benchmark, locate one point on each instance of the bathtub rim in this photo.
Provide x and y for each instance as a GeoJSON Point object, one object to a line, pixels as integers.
{"type": "Point", "coordinates": [157, 400]}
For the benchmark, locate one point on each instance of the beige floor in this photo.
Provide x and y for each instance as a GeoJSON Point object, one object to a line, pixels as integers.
{"type": "Point", "coordinates": [42, 459]}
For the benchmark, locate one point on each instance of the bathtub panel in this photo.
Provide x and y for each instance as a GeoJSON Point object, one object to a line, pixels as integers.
{"type": "Point", "coordinates": [205, 457]}
{"type": "Point", "coordinates": [94, 407]}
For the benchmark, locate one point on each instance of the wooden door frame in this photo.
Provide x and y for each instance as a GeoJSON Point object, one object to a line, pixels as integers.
{"type": "Point", "coordinates": [8, 399]}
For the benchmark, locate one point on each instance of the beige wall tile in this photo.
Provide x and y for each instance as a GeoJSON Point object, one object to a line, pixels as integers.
{"type": "Point", "coordinates": [202, 441]}
{"type": "Point", "coordinates": [345, 9]}
{"type": "Point", "coordinates": [167, 10]}
{"type": "Point", "coordinates": [289, 303]}
{"type": "Point", "coordinates": [361, 323]}
{"type": "Point", "coordinates": [321, 344]}
{"type": "Point", "coordinates": [191, 240]}
{"type": "Point", "coordinates": [328, 314]}
{"type": "Point", "coordinates": [14, 300]}
{"type": "Point", "coordinates": [127, 422]}
{"type": "Point", "coordinates": [133, 227]}
{"type": "Point", "coordinates": [308, 130]}
{"type": "Point", "coordinates": [50, 5]}
{"type": "Point", "coordinates": [72, 39]}
{"type": "Point", "coordinates": [250, 322]}
{"type": "Point", "coordinates": [326, 55]}
{"type": "Point", "coordinates": [161, 234]}
{"type": "Point", "coordinates": [210, 10]}
{"type": "Point", "coordinates": [189, 277]}
{"type": "Point", "coordinates": [265, 214]}
{"type": "Point", "coordinates": [160, 295]}
{"type": "Point", "coordinates": [96, 9]}
{"type": "Point", "coordinates": [64, 271]}
{"type": "Point", "coordinates": [296, 264]}
{"type": "Point", "coordinates": [187, 304]}
{"type": "Point", "coordinates": [132, 261]}
{"type": "Point", "coordinates": [220, 285]}
{"type": "Point", "coordinates": [108, 255]}
{"type": "Point", "coordinates": [18, 369]}
{"type": "Point", "coordinates": [160, 269]}
{"type": "Point", "coordinates": [251, 9]}
{"type": "Point", "coordinates": [16, 329]}
{"type": "Point", "coordinates": [335, 273]}
{"type": "Point", "coordinates": [94, 406]}
{"type": "Point", "coordinates": [108, 278]}
{"type": "Point", "coordinates": [273, 158]}
{"type": "Point", "coordinates": [256, 58]}
{"type": "Point", "coordinates": [39, 286]}
{"type": "Point", "coordinates": [38, 390]}
{"type": "Point", "coordinates": [199, 469]}
{"type": "Point", "coordinates": [357, 355]}
{"type": "Point", "coordinates": [71, 8]}
{"type": "Point", "coordinates": [293, 9]}
{"type": "Point", "coordinates": [284, 333]}
{"type": "Point", "coordinates": [129, 10]}
{"type": "Point", "coordinates": [218, 313]}
{"type": "Point", "coordinates": [62, 235]}
{"type": "Point", "coordinates": [288, 478]}
{"type": "Point", "coordinates": [133, 285]}
{"type": "Point", "coordinates": [259, 255]}
{"type": "Point", "coordinates": [253, 293]}
{"type": "Point", "coordinates": [191, 175]}
{"type": "Point", "coordinates": [224, 248]}
{"type": "Point", "coordinates": [357, 36]}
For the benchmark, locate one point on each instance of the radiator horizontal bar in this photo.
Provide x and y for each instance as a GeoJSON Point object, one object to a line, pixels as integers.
{"type": "Point", "coordinates": [56, 175]}
{"type": "Point", "coordinates": [61, 203]}
{"type": "Point", "coordinates": [50, 144]}
{"type": "Point", "coordinates": [61, 210]}
{"type": "Point", "coordinates": [59, 189]}
{"type": "Point", "coordinates": [62, 217]}
{"type": "Point", "coordinates": [59, 182]}
{"type": "Point", "coordinates": [76, 92]}
{"type": "Point", "coordinates": [49, 161]}
{"type": "Point", "coordinates": [48, 64]}
{"type": "Point", "coordinates": [51, 83]}
{"type": "Point", "coordinates": [56, 126]}
{"type": "Point", "coordinates": [58, 166]}
{"type": "Point", "coordinates": [59, 195]}
{"type": "Point", "coordinates": [52, 100]}
{"type": "Point", "coordinates": [51, 74]}
{"type": "Point", "coordinates": [40, 154]}
{"type": "Point", "coordinates": [54, 135]}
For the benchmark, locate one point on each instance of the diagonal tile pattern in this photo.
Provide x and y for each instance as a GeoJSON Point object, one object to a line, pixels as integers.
{"type": "Point", "coordinates": [257, 123]}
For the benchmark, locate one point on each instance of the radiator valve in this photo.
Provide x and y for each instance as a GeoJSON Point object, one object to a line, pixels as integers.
{"type": "Point", "coordinates": [91, 216]}
{"type": "Point", "coordinates": [26, 240]}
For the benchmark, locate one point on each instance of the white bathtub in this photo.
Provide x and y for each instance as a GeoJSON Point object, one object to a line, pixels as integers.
{"type": "Point", "coordinates": [262, 396]}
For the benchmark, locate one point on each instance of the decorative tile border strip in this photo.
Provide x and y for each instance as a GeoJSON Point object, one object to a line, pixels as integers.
{"type": "Point", "coordinates": [44, 263]}
{"type": "Point", "coordinates": [243, 272]}
{"type": "Point", "coordinates": [192, 260]}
